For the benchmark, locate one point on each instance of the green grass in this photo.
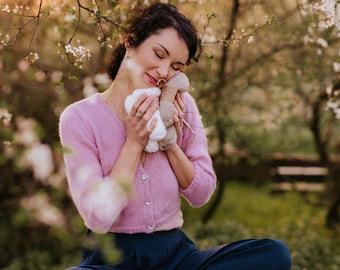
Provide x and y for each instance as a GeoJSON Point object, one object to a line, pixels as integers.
{"type": "Point", "coordinates": [249, 211]}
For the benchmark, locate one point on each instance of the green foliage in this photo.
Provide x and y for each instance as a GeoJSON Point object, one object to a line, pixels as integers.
{"type": "Point", "coordinates": [249, 211]}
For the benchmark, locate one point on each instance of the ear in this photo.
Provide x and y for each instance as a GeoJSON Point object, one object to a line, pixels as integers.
{"type": "Point", "coordinates": [127, 41]}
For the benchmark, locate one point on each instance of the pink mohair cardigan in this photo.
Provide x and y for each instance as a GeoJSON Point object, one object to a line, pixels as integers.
{"type": "Point", "coordinates": [92, 137]}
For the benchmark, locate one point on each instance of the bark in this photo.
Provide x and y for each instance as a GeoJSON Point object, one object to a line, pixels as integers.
{"type": "Point", "coordinates": [220, 127]}
{"type": "Point", "coordinates": [321, 141]}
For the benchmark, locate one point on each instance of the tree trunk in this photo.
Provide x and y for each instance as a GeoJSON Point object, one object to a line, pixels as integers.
{"type": "Point", "coordinates": [333, 215]}
{"type": "Point", "coordinates": [220, 127]}
{"type": "Point", "coordinates": [218, 196]}
{"type": "Point", "coordinates": [321, 145]}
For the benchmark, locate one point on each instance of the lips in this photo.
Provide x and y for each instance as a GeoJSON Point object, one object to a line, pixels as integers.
{"type": "Point", "coordinates": [152, 80]}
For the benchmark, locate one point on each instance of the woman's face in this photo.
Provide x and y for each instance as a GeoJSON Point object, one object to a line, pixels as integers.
{"type": "Point", "coordinates": [160, 56]}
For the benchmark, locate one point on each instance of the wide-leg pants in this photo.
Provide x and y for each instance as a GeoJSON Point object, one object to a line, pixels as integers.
{"type": "Point", "coordinates": [173, 250]}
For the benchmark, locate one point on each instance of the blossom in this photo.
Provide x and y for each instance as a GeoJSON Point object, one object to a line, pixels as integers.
{"type": "Point", "coordinates": [70, 18]}
{"type": "Point", "coordinates": [322, 42]}
{"type": "Point", "coordinates": [43, 211]}
{"type": "Point", "coordinates": [89, 88]}
{"type": "Point", "coordinates": [336, 67]}
{"type": "Point", "coordinates": [6, 9]}
{"type": "Point", "coordinates": [32, 57]}
{"type": "Point", "coordinates": [39, 158]}
{"type": "Point", "coordinates": [26, 134]}
{"type": "Point", "coordinates": [337, 16]}
{"type": "Point", "coordinates": [5, 117]}
{"type": "Point", "coordinates": [102, 79]}
{"type": "Point", "coordinates": [4, 41]}
{"type": "Point", "coordinates": [251, 39]}
{"type": "Point", "coordinates": [79, 52]}
{"type": "Point", "coordinates": [326, 11]}
{"type": "Point", "coordinates": [95, 7]}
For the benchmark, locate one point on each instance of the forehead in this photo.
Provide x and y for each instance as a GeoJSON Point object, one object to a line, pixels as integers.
{"type": "Point", "coordinates": [172, 42]}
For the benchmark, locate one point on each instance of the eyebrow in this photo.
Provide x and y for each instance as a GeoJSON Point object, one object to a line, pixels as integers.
{"type": "Point", "coordinates": [168, 53]}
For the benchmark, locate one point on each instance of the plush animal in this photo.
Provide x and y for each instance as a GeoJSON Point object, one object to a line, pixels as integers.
{"type": "Point", "coordinates": [179, 82]}
{"type": "Point", "coordinates": [160, 131]}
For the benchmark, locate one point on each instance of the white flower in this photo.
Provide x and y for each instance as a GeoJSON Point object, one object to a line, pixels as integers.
{"type": "Point", "coordinates": [5, 117]}
{"type": "Point", "coordinates": [26, 131]}
{"type": "Point", "coordinates": [102, 79]}
{"type": "Point", "coordinates": [337, 113]}
{"type": "Point", "coordinates": [89, 89]}
{"type": "Point", "coordinates": [333, 105]}
{"type": "Point", "coordinates": [251, 39]}
{"type": "Point", "coordinates": [326, 11]}
{"type": "Point", "coordinates": [6, 9]}
{"type": "Point", "coordinates": [336, 67]}
{"type": "Point", "coordinates": [68, 48]}
{"type": "Point", "coordinates": [4, 41]}
{"type": "Point", "coordinates": [15, 10]}
{"type": "Point", "coordinates": [329, 89]}
{"type": "Point", "coordinates": [70, 18]}
{"type": "Point", "coordinates": [32, 57]}
{"type": "Point", "coordinates": [337, 16]}
{"type": "Point", "coordinates": [39, 158]}
{"type": "Point", "coordinates": [95, 7]}
{"type": "Point", "coordinates": [79, 52]}
{"type": "Point", "coordinates": [43, 210]}
{"type": "Point", "coordinates": [322, 42]}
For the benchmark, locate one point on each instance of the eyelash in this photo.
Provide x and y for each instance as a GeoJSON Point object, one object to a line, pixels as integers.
{"type": "Point", "coordinates": [161, 57]}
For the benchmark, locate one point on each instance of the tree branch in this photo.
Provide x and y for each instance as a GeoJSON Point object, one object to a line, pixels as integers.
{"type": "Point", "coordinates": [78, 23]}
{"type": "Point", "coordinates": [98, 14]}
{"type": "Point", "coordinates": [35, 32]}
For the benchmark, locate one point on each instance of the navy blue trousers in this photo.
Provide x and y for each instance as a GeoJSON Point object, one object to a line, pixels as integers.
{"type": "Point", "coordinates": [173, 250]}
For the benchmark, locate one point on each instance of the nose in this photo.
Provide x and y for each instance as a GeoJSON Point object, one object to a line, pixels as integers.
{"type": "Point", "coordinates": [163, 70]}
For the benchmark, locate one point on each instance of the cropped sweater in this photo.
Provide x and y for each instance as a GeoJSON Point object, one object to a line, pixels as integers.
{"type": "Point", "coordinates": [92, 137]}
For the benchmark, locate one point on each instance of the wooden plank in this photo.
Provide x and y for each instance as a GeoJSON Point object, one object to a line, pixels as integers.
{"type": "Point", "coordinates": [296, 171]}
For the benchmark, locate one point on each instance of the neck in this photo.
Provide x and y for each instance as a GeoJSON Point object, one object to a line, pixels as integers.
{"type": "Point", "coordinates": [115, 97]}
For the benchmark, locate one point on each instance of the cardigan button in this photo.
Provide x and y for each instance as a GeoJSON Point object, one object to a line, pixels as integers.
{"type": "Point", "coordinates": [148, 203]}
{"type": "Point", "coordinates": [144, 177]}
{"type": "Point", "coordinates": [151, 227]}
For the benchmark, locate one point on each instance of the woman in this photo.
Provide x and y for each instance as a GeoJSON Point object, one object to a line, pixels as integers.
{"type": "Point", "coordinates": [120, 189]}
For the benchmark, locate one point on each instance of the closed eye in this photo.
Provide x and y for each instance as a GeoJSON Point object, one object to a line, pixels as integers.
{"type": "Point", "coordinates": [159, 55]}
{"type": "Point", "coordinates": [176, 66]}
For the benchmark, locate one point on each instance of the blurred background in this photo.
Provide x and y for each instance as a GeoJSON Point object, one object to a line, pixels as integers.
{"type": "Point", "coordinates": [267, 86]}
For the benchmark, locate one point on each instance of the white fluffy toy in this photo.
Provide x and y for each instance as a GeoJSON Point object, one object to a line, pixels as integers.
{"type": "Point", "coordinates": [160, 131]}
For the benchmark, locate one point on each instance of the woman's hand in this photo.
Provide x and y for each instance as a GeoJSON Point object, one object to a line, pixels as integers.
{"type": "Point", "coordinates": [142, 111]}
{"type": "Point", "coordinates": [178, 119]}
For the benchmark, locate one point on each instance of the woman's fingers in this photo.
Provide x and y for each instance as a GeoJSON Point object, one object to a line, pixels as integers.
{"type": "Point", "coordinates": [138, 122]}
{"type": "Point", "coordinates": [143, 104]}
{"type": "Point", "coordinates": [180, 106]}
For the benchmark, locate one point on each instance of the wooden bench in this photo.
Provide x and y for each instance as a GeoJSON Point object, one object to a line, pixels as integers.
{"type": "Point", "coordinates": [302, 179]}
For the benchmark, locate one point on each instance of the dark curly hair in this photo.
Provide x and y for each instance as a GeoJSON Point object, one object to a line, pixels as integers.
{"type": "Point", "coordinates": [149, 21]}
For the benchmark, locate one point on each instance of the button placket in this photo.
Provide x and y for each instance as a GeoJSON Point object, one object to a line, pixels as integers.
{"type": "Point", "coordinates": [148, 203]}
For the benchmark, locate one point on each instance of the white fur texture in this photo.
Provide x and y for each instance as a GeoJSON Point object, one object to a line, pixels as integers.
{"type": "Point", "coordinates": [160, 131]}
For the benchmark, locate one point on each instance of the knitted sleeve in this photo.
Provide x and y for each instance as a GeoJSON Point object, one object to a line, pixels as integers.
{"type": "Point", "coordinates": [98, 199]}
{"type": "Point", "coordinates": [194, 144]}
